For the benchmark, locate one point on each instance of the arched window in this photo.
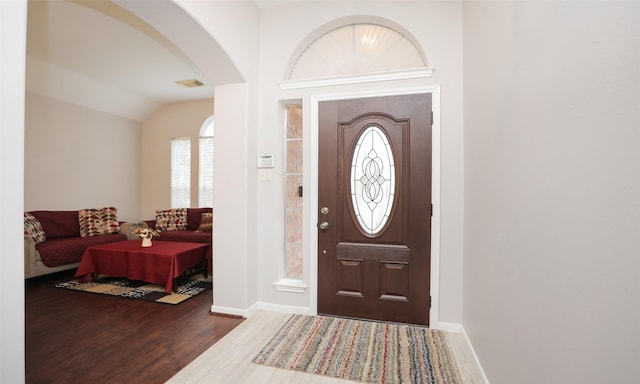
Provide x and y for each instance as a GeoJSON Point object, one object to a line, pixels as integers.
{"type": "Point", "coordinates": [357, 49]}
{"type": "Point", "coordinates": [205, 168]}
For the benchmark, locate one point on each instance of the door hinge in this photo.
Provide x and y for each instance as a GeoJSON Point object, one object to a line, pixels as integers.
{"type": "Point", "coordinates": [431, 118]}
{"type": "Point", "coordinates": [429, 301]}
{"type": "Point", "coordinates": [431, 210]}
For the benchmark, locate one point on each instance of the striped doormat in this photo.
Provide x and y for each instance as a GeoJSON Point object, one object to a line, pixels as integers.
{"type": "Point", "coordinates": [364, 351]}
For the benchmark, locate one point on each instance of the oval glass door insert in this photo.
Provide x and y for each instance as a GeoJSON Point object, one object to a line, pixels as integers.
{"type": "Point", "coordinates": [373, 180]}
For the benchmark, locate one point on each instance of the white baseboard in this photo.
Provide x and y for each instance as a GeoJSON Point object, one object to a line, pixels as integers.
{"type": "Point", "coordinates": [260, 306]}
{"type": "Point", "coordinates": [449, 327]}
{"type": "Point", "coordinates": [475, 357]}
{"type": "Point", "coordinates": [230, 311]}
{"type": "Point", "coordinates": [282, 308]}
{"type": "Point", "coordinates": [458, 328]}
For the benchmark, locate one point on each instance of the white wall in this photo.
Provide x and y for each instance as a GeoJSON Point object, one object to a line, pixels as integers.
{"type": "Point", "coordinates": [170, 121]}
{"type": "Point", "coordinates": [233, 28]}
{"type": "Point", "coordinates": [437, 27]}
{"type": "Point", "coordinates": [13, 22]}
{"type": "Point", "coordinates": [552, 179]}
{"type": "Point", "coordinates": [234, 256]}
{"type": "Point", "coordinates": [77, 158]}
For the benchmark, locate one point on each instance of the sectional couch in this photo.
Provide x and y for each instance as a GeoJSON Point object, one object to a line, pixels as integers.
{"type": "Point", "coordinates": [55, 240]}
{"type": "Point", "coordinates": [189, 225]}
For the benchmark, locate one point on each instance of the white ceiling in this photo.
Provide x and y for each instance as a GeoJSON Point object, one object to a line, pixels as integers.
{"type": "Point", "coordinates": [103, 42]}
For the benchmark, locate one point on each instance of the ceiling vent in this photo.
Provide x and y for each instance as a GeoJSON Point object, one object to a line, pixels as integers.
{"type": "Point", "coordinates": [192, 83]}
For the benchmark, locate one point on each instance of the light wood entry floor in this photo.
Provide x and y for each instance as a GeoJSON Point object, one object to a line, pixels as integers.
{"type": "Point", "coordinates": [229, 360]}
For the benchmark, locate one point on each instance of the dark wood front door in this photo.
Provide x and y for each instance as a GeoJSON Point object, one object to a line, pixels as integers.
{"type": "Point", "coordinates": [374, 208]}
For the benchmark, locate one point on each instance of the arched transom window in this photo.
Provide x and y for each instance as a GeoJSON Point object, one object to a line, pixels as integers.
{"type": "Point", "coordinates": [357, 49]}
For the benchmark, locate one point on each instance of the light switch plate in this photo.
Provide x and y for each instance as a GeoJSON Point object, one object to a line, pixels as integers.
{"type": "Point", "coordinates": [265, 174]}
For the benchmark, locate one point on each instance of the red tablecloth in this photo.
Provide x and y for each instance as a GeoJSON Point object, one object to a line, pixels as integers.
{"type": "Point", "coordinates": [160, 263]}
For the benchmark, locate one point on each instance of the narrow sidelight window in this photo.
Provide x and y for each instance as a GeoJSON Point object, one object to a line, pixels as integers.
{"type": "Point", "coordinates": [293, 142]}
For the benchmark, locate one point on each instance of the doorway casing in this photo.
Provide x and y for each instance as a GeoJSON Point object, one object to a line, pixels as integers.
{"type": "Point", "coordinates": [311, 184]}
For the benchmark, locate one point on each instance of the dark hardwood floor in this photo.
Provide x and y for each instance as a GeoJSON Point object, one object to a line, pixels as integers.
{"type": "Point", "coordinates": [79, 337]}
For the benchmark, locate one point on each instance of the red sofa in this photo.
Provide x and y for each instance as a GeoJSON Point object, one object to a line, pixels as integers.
{"type": "Point", "coordinates": [191, 233]}
{"type": "Point", "coordinates": [63, 247]}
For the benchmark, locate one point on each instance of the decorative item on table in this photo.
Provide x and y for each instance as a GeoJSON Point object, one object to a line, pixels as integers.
{"type": "Point", "coordinates": [143, 231]}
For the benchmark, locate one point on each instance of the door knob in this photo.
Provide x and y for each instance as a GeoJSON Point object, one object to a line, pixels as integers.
{"type": "Point", "coordinates": [323, 226]}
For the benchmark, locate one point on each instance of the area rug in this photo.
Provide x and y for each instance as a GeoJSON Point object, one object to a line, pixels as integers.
{"type": "Point", "coordinates": [365, 351]}
{"type": "Point", "coordinates": [139, 290]}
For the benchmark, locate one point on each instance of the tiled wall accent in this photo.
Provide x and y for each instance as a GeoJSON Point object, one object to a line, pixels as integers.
{"type": "Point", "coordinates": [293, 259]}
{"type": "Point", "coordinates": [294, 201]}
{"type": "Point", "coordinates": [294, 122]}
{"type": "Point", "coordinates": [294, 156]}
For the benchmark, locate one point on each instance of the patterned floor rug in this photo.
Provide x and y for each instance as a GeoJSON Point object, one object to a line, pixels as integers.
{"type": "Point", "coordinates": [139, 290]}
{"type": "Point", "coordinates": [364, 351]}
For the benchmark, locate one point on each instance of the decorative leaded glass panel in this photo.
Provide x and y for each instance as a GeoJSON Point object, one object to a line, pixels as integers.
{"type": "Point", "coordinates": [373, 180]}
{"type": "Point", "coordinates": [294, 201]}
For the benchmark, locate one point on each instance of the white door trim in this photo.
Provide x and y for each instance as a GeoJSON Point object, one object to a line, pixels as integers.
{"type": "Point", "coordinates": [311, 185]}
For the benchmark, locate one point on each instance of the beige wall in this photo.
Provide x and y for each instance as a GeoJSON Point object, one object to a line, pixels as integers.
{"type": "Point", "coordinates": [552, 179]}
{"type": "Point", "coordinates": [84, 158]}
{"type": "Point", "coordinates": [76, 157]}
{"type": "Point", "coordinates": [174, 120]}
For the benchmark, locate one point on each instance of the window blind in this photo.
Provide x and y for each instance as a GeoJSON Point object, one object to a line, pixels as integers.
{"type": "Point", "coordinates": [181, 172]}
{"type": "Point", "coordinates": [205, 171]}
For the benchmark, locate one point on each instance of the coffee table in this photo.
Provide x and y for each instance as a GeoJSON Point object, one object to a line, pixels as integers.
{"type": "Point", "coordinates": [161, 263]}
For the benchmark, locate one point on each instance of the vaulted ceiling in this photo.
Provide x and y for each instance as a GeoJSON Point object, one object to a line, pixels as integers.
{"type": "Point", "coordinates": [102, 44]}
